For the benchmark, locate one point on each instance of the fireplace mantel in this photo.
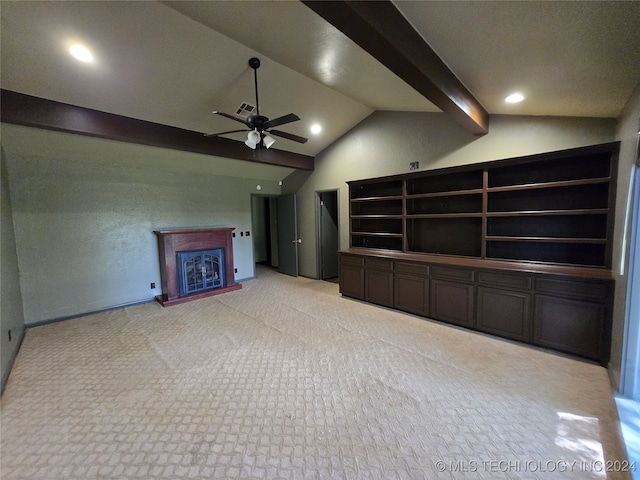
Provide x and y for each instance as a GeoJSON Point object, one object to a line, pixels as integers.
{"type": "Point", "coordinates": [179, 240]}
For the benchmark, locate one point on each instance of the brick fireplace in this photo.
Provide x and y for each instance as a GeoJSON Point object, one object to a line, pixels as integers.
{"type": "Point", "coordinates": [195, 263]}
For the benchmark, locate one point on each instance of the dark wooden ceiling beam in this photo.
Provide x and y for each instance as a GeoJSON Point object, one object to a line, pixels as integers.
{"type": "Point", "coordinates": [380, 29]}
{"type": "Point", "coordinates": [20, 109]}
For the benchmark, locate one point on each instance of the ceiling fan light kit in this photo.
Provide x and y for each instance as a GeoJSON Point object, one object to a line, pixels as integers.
{"type": "Point", "coordinates": [259, 126]}
{"type": "Point", "coordinates": [268, 141]}
{"type": "Point", "coordinates": [253, 139]}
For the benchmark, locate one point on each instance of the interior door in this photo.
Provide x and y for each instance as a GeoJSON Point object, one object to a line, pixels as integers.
{"type": "Point", "coordinates": [328, 211]}
{"type": "Point", "coordinates": [287, 235]}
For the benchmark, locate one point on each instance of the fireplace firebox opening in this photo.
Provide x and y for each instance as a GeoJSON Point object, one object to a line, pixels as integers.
{"type": "Point", "coordinates": [200, 270]}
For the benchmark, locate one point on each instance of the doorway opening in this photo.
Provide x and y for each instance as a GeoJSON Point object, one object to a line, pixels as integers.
{"type": "Point", "coordinates": [265, 232]}
{"type": "Point", "coordinates": [275, 239]}
{"type": "Point", "coordinates": [328, 235]}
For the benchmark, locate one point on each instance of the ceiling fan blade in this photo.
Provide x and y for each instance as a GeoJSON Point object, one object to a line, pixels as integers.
{"type": "Point", "coordinates": [291, 117]}
{"type": "Point", "coordinates": [230, 117]}
{"type": "Point", "coordinates": [288, 136]}
{"type": "Point", "coordinates": [223, 133]}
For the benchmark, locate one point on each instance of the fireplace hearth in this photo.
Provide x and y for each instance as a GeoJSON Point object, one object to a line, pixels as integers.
{"type": "Point", "coordinates": [195, 263]}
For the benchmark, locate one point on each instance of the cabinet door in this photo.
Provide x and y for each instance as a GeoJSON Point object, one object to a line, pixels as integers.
{"type": "Point", "coordinates": [378, 287]}
{"type": "Point", "coordinates": [412, 294]}
{"type": "Point", "coordinates": [504, 313]}
{"type": "Point", "coordinates": [573, 326]}
{"type": "Point", "coordinates": [352, 281]}
{"type": "Point", "coordinates": [452, 302]}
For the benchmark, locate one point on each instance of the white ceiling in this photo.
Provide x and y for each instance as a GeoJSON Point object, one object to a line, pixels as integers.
{"type": "Point", "coordinates": [175, 62]}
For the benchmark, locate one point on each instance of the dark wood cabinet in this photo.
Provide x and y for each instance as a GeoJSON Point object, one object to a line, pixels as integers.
{"type": "Point", "coordinates": [569, 314]}
{"type": "Point", "coordinates": [351, 274]}
{"type": "Point", "coordinates": [573, 315]}
{"type": "Point", "coordinates": [411, 288]}
{"type": "Point", "coordinates": [574, 326]}
{"type": "Point", "coordinates": [452, 302]}
{"type": "Point", "coordinates": [378, 281]}
{"type": "Point", "coordinates": [504, 313]}
{"type": "Point", "coordinates": [519, 248]}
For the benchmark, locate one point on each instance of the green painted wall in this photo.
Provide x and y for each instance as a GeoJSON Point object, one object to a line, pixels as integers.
{"type": "Point", "coordinates": [386, 142]}
{"type": "Point", "coordinates": [84, 211]}
{"type": "Point", "coordinates": [11, 316]}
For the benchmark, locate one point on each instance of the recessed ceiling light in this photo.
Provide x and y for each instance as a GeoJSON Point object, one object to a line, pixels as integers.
{"type": "Point", "coordinates": [81, 53]}
{"type": "Point", "coordinates": [514, 98]}
{"type": "Point", "coordinates": [316, 128]}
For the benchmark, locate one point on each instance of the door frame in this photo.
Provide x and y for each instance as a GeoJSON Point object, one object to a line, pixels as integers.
{"type": "Point", "coordinates": [282, 251]}
{"type": "Point", "coordinates": [319, 226]}
{"type": "Point", "coordinates": [630, 362]}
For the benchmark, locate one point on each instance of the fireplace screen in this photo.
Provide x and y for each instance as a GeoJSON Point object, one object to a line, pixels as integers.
{"type": "Point", "coordinates": [200, 270]}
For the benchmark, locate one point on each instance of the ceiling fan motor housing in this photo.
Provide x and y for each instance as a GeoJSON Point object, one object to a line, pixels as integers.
{"type": "Point", "coordinates": [257, 122]}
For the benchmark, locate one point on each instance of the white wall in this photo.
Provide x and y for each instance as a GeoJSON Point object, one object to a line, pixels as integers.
{"type": "Point", "coordinates": [84, 211]}
{"type": "Point", "coordinates": [386, 142]}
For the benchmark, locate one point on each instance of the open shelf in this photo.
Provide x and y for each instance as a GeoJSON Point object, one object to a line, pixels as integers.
{"type": "Point", "coordinates": [376, 207]}
{"type": "Point", "coordinates": [443, 204]}
{"type": "Point", "coordinates": [447, 236]}
{"type": "Point", "coordinates": [377, 189]}
{"type": "Point", "coordinates": [571, 167]}
{"type": "Point", "coordinates": [447, 182]}
{"type": "Point", "coordinates": [568, 253]}
{"type": "Point", "coordinates": [369, 240]}
{"type": "Point", "coordinates": [562, 226]}
{"type": "Point", "coordinates": [381, 226]}
{"type": "Point", "coordinates": [574, 197]}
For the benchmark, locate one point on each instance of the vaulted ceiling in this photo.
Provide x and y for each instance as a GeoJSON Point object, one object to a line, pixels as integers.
{"type": "Point", "coordinates": [175, 62]}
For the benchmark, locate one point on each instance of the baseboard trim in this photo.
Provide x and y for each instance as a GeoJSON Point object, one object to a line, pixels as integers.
{"type": "Point", "coordinates": [12, 360]}
{"type": "Point", "coordinates": [40, 323]}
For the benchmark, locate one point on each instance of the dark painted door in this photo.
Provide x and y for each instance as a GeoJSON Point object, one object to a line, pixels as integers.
{"type": "Point", "coordinates": [328, 209]}
{"type": "Point", "coordinates": [287, 235]}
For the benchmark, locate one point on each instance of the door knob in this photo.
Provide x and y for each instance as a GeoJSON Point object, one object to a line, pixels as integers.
{"type": "Point", "coordinates": [297, 241]}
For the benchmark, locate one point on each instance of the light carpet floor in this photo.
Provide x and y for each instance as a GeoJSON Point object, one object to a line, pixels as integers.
{"type": "Point", "coordinates": [285, 379]}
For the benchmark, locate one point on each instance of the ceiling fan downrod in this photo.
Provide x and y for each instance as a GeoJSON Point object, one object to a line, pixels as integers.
{"type": "Point", "coordinates": [255, 64]}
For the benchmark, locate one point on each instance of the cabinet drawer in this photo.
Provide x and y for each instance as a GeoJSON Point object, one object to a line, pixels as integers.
{"type": "Point", "coordinates": [571, 288]}
{"type": "Point", "coordinates": [452, 273]}
{"type": "Point", "coordinates": [354, 260]}
{"type": "Point", "coordinates": [379, 263]}
{"type": "Point", "coordinates": [418, 269]}
{"type": "Point", "coordinates": [509, 280]}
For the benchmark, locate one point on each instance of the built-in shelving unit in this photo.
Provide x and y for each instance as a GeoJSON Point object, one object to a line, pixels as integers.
{"type": "Point", "coordinates": [519, 247]}
{"type": "Point", "coordinates": [376, 215]}
{"type": "Point", "coordinates": [550, 208]}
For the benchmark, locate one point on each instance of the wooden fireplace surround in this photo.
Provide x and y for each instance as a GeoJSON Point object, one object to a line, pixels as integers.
{"type": "Point", "coordinates": [180, 240]}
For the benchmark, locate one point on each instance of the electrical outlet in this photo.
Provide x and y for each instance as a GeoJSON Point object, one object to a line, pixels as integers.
{"type": "Point", "coordinates": [242, 234]}
{"type": "Point", "coordinates": [233, 234]}
{"type": "Point", "coordinates": [153, 285]}
{"type": "Point", "coordinates": [246, 234]}
{"type": "Point", "coordinates": [235, 270]}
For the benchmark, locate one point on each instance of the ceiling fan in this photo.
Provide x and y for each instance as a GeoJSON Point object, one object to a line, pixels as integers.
{"type": "Point", "coordinates": [260, 127]}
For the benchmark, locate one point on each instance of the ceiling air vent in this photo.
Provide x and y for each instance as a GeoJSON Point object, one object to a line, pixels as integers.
{"type": "Point", "coordinates": [245, 110]}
